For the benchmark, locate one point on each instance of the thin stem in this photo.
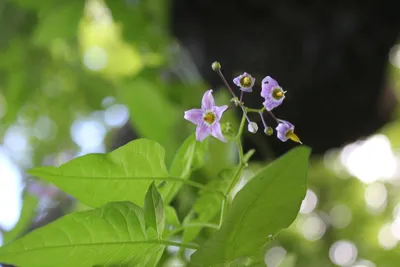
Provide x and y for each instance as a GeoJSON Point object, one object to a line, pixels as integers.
{"type": "Point", "coordinates": [273, 116]}
{"type": "Point", "coordinates": [245, 114]}
{"type": "Point", "coordinates": [225, 82]}
{"type": "Point", "coordinates": [263, 121]}
{"type": "Point", "coordinates": [224, 206]}
{"type": "Point", "coordinates": [241, 126]}
{"type": "Point", "coordinates": [190, 183]}
{"type": "Point", "coordinates": [177, 244]}
{"type": "Point", "coordinates": [191, 225]}
{"type": "Point", "coordinates": [255, 110]}
{"type": "Point", "coordinates": [239, 169]}
{"type": "Point", "coordinates": [241, 96]}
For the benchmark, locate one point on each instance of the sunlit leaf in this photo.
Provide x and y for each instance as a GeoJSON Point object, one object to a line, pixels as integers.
{"type": "Point", "coordinates": [121, 175]}
{"type": "Point", "coordinates": [113, 235]}
{"type": "Point", "coordinates": [267, 204]}
{"type": "Point", "coordinates": [152, 115]}
{"type": "Point", "coordinates": [154, 210]}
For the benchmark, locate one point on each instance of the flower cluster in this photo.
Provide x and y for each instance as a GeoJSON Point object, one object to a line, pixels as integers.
{"type": "Point", "coordinates": [208, 117]}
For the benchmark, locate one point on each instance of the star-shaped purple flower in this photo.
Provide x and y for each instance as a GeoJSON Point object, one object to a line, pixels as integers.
{"type": "Point", "coordinates": [245, 82]}
{"type": "Point", "coordinates": [207, 118]}
{"type": "Point", "coordinates": [272, 93]}
{"type": "Point", "coordinates": [285, 131]}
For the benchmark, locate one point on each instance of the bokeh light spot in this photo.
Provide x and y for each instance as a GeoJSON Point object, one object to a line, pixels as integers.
{"type": "Point", "coordinates": [375, 197]}
{"type": "Point", "coordinates": [95, 58]}
{"type": "Point", "coordinates": [343, 253]}
{"type": "Point", "coordinates": [340, 216]}
{"type": "Point", "coordinates": [44, 128]}
{"type": "Point", "coordinates": [370, 160]}
{"type": "Point", "coordinates": [116, 115]}
{"type": "Point", "coordinates": [364, 263]}
{"type": "Point", "coordinates": [275, 256]}
{"type": "Point", "coordinates": [386, 238]}
{"type": "Point", "coordinates": [309, 203]}
{"type": "Point", "coordinates": [313, 227]}
{"type": "Point", "coordinates": [10, 192]}
{"type": "Point", "coordinates": [88, 134]}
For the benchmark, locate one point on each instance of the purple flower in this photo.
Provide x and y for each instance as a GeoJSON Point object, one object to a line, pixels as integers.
{"type": "Point", "coordinates": [272, 93]}
{"type": "Point", "coordinates": [285, 131]}
{"type": "Point", "coordinates": [245, 82]}
{"type": "Point", "coordinates": [207, 118]}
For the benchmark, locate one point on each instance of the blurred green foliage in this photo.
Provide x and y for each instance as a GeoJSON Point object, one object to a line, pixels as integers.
{"type": "Point", "coordinates": [51, 66]}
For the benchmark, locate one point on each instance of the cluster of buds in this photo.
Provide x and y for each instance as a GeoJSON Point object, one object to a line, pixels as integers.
{"type": "Point", "coordinates": [208, 117]}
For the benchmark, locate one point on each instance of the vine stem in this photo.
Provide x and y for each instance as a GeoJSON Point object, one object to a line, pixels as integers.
{"type": "Point", "coordinates": [190, 225]}
{"type": "Point", "coordinates": [177, 244]}
{"type": "Point", "coordinates": [240, 167]}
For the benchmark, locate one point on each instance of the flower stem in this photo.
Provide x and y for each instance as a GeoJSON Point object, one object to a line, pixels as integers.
{"type": "Point", "coordinates": [238, 173]}
{"type": "Point", "coordinates": [255, 110]}
{"type": "Point", "coordinates": [190, 225]}
{"type": "Point", "coordinates": [273, 116]}
{"type": "Point", "coordinates": [225, 82]}
{"type": "Point", "coordinates": [177, 244]}
{"type": "Point", "coordinates": [189, 183]}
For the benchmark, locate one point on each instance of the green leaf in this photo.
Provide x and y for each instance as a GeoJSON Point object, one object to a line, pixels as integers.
{"type": "Point", "coordinates": [28, 212]}
{"type": "Point", "coordinates": [154, 210]}
{"type": "Point", "coordinates": [124, 174]}
{"type": "Point", "coordinates": [189, 158]}
{"type": "Point", "coordinates": [59, 21]}
{"type": "Point", "coordinates": [151, 113]}
{"type": "Point", "coordinates": [209, 204]}
{"type": "Point", "coordinates": [171, 217]}
{"type": "Point", "coordinates": [267, 204]}
{"type": "Point", "coordinates": [114, 234]}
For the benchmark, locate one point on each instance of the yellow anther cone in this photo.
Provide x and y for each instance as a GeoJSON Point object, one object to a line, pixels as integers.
{"type": "Point", "coordinates": [292, 136]}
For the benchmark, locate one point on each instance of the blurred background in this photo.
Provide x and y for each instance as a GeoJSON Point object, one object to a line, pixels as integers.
{"type": "Point", "coordinates": [80, 77]}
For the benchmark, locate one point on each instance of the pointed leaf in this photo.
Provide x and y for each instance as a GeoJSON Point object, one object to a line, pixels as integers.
{"type": "Point", "coordinates": [114, 234]}
{"type": "Point", "coordinates": [121, 175]}
{"type": "Point", "coordinates": [171, 218]}
{"type": "Point", "coordinates": [154, 210]}
{"type": "Point", "coordinates": [267, 204]}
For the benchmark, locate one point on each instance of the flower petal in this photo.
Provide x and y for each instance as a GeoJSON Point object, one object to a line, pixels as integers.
{"type": "Point", "coordinates": [208, 100]}
{"type": "Point", "coordinates": [202, 132]}
{"type": "Point", "coordinates": [282, 129]}
{"type": "Point", "coordinates": [219, 110]}
{"type": "Point", "coordinates": [217, 133]}
{"type": "Point", "coordinates": [267, 85]}
{"type": "Point", "coordinates": [269, 81]}
{"type": "Point", "coordinates": [194, 116]}
{"type": "Point", "coordinates": [270, 103]}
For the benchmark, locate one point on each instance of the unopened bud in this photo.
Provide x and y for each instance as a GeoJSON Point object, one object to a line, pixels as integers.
{"type": "Point", "coordinates": [216, 66]}
{"type": "Point", "coordinates": [252, 127]}
{"type": "Point", "coordinates": [226, 128]}
{"type": "Point", "coordinates": [269, 131]}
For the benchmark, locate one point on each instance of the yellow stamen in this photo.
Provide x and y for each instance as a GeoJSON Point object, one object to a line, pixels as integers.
{"type": "Point", "coordinates": [292, 136]}
{"type": "Point", "coordinates": [209, 118]}
{"type": "Point", "coordinates": [246, 81]}
{"type": "Point", "coordinates": [279, 94]}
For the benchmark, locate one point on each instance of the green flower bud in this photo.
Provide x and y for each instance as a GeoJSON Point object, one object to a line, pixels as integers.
{"type": "Point", "coordinates": [269, 131]}
{"type": "Point", "coordinates": [216, 66]}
